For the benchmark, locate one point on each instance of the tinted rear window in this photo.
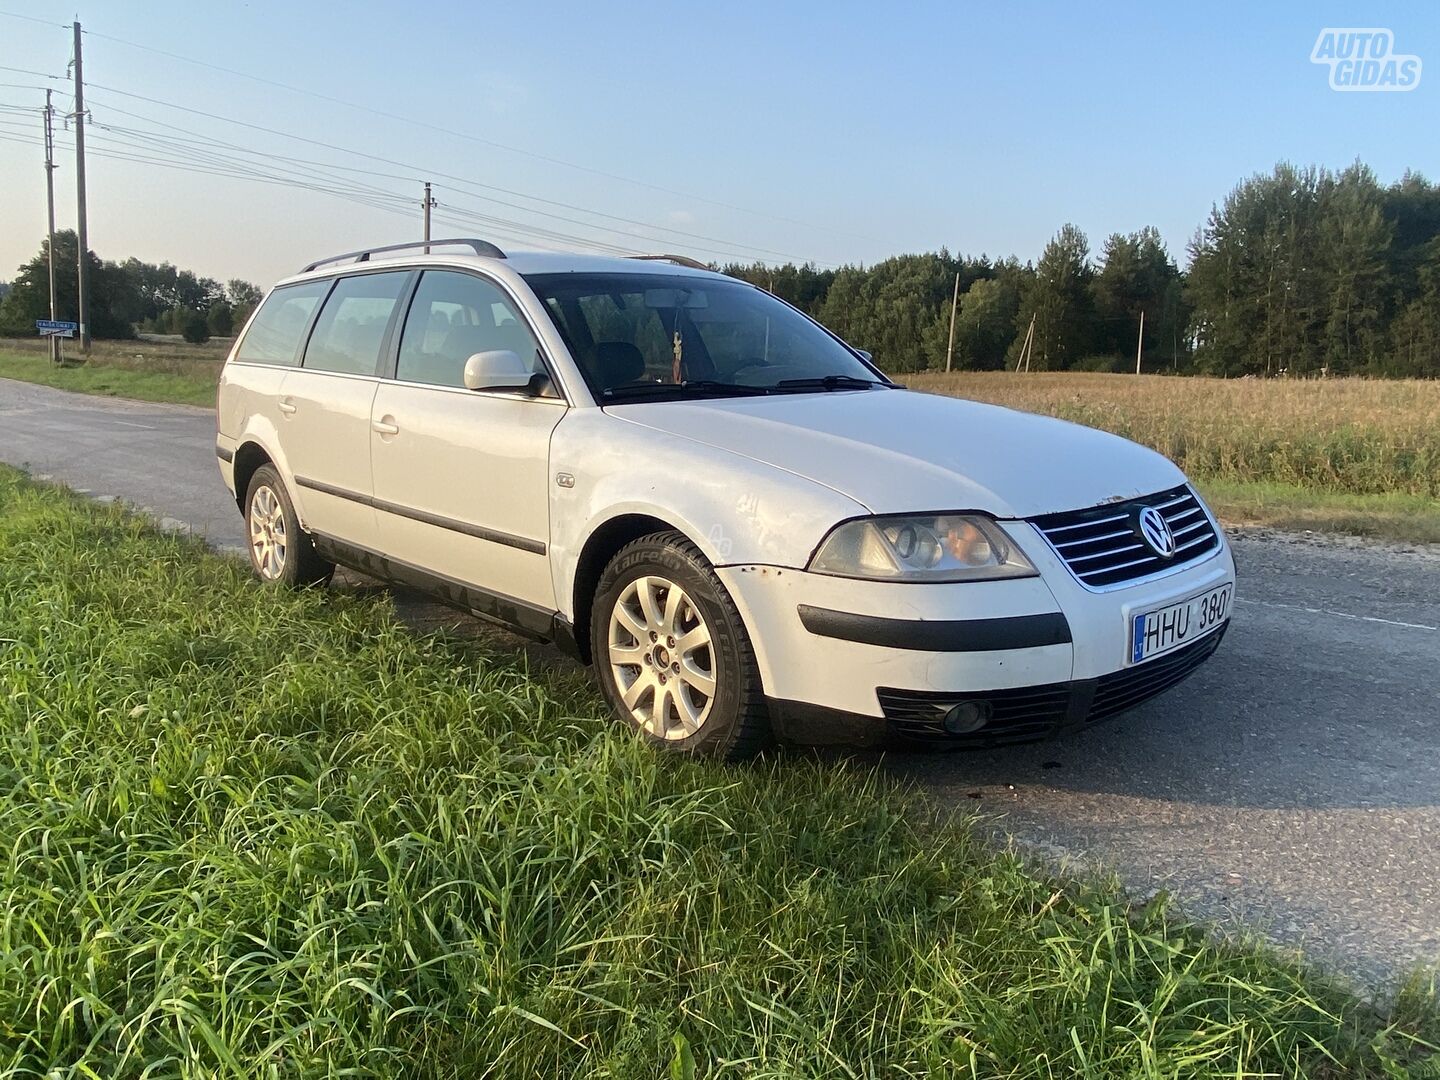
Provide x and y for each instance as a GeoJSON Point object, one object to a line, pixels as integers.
{"type": "Point", "coordinates": [274, 335]}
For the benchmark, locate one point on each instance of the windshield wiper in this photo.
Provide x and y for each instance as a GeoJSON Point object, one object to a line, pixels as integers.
{"type": "Point", "coordinates": [696, 386]}
{"type": "Point", "coordinates": [828, 382]}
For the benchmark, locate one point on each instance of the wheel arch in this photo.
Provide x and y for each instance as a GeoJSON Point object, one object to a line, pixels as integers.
{"type": "Point", "coordinates": [249, 457]}
{"type": "Point", "coordinates": [602, 545]}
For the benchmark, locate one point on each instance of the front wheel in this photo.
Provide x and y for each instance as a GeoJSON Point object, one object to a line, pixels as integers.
{"type": "Point", "coordinates": [673, 656]}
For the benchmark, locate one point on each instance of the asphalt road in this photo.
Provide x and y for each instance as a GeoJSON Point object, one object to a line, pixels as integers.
{"type": "Point", "coordinates": [1290, 787]}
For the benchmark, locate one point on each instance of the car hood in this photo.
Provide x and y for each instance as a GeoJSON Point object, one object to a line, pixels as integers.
{"type": "Point", "coordinates": [899, 451]}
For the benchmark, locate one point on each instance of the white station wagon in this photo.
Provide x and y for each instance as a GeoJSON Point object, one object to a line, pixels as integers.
{"type": "Point", "coordinates": [737, 517]}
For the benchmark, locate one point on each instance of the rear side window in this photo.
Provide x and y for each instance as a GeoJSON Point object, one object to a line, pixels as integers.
{"type": "Point", "coordinates": [274, 334]}
{"type": "Point", "coordinates": [352, 325]}
{"type": "Point", "coordinates": [452, 317]}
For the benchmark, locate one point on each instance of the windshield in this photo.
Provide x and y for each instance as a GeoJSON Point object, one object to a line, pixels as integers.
{"type": "Point", "coordinates": [638, 336]}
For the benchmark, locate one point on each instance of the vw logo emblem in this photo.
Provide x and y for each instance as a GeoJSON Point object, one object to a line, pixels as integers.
{"type": "Point", "coordinates": [1155, 531]}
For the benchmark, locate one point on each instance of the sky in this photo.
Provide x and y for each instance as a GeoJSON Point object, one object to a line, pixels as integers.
{"type": "Point", "coordinates": [837, 132]}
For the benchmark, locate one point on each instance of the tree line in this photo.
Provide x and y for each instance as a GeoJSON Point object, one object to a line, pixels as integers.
{"type": "Point", "coordinates": [1303, 271]}
{"type": "Point", "coordinates": [125, 297]}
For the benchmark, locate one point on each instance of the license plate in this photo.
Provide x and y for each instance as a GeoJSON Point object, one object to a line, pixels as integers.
{"type": "Point", "coordinates": [1159, 631]}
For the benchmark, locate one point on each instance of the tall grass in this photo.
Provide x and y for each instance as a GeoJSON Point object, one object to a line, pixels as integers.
{"type": "Point", "coordinates": [253, 833]}
{"type": "Point", "coordinates": [145, 370]}
{"type": "Point", "coordinates": [176, 381]}
{"type": "Point", "coordinates": [1356, 436]}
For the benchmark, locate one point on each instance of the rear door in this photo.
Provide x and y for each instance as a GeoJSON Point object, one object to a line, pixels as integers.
{"type": "Point", "coordinates": [248, 402]}
{"type": "Point", "coordinates": [461, 476]}
{"type": "Point", "coordinates": [326, 404]}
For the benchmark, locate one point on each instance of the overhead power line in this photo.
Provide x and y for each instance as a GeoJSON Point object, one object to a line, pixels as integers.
{"type": "Point", "coordinates": [33, 19]}
{"type": "Point", "coordinates": [387, 201]}
{"type": "Point", "coordinates": [709, 245]}
{"type": "Point", "coordinates": [27, 71]}
{"type": "Point", "coordinates": [220, 164]}
{"type": "Point", "coordinates": [612, 224]}
{"type": "Point", "coordinates": [184, 149]}
{"type": "Point", "coordinates": [651, 234]}
{"type": "Point", "coordinates": [413, 121]}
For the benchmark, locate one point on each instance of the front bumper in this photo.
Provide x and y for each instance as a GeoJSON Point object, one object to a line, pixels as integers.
{"type": "Point", "coordinates": [1036, 712]}
{"type": "Point", "coordinates": [845, 660]}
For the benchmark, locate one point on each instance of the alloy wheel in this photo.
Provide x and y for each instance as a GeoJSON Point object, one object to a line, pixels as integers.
{"type": "Point", "coordinates": [267, 533]}
{"type": "Point", "coordinates": [661, 657]}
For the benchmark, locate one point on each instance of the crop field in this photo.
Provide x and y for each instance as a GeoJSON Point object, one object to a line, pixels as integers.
{"type": "Point", "coordinates": [1358, 436]}
{"type": "Point", "coordinates": [258, 833]}
{"type": "Point", "coordinates": [1361, 455]}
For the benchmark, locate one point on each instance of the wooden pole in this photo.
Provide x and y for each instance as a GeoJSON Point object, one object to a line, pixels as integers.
{"type": "Point", "coordinates": [1139, 342]}
{"type": "Point", "coordinates": [82, 269]}
{"type": "Point", "coordinates": [1024, 357]}
{"type": "Point", "coordinates": [55, 353]}
{"type": "Point", "coordinates": [954, 304]}
{"type": "Point", "coordinates": [427, 204]}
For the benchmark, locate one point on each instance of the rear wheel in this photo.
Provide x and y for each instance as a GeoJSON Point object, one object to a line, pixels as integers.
{"type": "Point", "coordinates": [280, 550]}
{"type": "Point", "coordinates": [673, 656]}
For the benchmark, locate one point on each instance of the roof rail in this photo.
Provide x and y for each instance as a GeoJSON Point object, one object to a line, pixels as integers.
{"type": "Point", "coordinates": [678, 260]}
{"type": "Point", "coordinates": [480, 247]}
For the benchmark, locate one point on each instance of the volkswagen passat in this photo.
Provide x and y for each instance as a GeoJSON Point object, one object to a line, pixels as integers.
{"type": "Point", "coordinates": [739, 519]}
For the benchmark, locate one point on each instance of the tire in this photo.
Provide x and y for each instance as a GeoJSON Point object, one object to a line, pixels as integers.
{"type": "Point", "coordinates": [708, 692]}
{"type": "Point", "coordinates": [280, 550]}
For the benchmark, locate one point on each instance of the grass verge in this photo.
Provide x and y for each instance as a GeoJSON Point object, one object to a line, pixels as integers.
{"type": "Point", "coordinates": [177, 380]}
{"type": "Point", "coordinates": [256, 833]}
{"type": "Point", "coordinates": [1407, 518]}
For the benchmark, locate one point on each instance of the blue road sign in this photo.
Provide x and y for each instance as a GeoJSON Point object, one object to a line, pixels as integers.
{"type": "Point", "coordinates": [53, 328]}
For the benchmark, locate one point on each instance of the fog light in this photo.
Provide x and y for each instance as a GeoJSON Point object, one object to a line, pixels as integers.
{"type": "Point", "coordinates": [967, 717]}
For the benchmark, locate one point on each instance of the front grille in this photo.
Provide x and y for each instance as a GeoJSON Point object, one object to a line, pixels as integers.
{"type": "Point", "coordinates": [1123, 690]}
{"type": "Point", "coordinates": [1029, 713]}
{"type": "Point", "coordinates": [1102, 545]}
{"type": "Point", "coordinates": [1018, 715]}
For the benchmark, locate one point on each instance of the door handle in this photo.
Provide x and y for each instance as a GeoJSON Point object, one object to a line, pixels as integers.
{"type": "Point", "coordinates": [385, 427]}
{"type": "Point", "coordinates": [287, 406]}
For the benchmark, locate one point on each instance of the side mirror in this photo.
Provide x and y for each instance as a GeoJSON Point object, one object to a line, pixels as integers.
{"type": "Point", "coordinates": [865, 356]}
{"type": "Point", "coordinates": [498, 369]}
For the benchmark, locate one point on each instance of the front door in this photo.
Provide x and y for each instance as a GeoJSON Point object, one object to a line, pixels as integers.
{"type": "Point", "coordinates": [461, 476]}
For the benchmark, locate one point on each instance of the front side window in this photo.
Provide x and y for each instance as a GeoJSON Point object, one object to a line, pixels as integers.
{"type": "Point", "coordinates": [667, 335]}
{"type": "Point", "coordinates": [273, 336]}
{"type": "Point", "coordinates": [453, 317]}
{"type": "Point", "coordinates": [352, 325]}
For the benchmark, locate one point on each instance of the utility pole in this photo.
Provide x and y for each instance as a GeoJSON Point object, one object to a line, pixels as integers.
{"type": "Point", "coordinates": [82, 234]}
{"type": "Point", "coordinates": [1139, 341]}
{"type": "Point", "coordinates": [1024, 357]}
{"type": "Point", "coordinates": [55, 355]}
{"type": "Point", "coordinates": [427, 204]}
{"type": "Point", "coordinates": [954, 303]}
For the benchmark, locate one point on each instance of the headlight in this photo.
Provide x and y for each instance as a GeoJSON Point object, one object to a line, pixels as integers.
{"type": "Point", "coordinates": [923, 547]}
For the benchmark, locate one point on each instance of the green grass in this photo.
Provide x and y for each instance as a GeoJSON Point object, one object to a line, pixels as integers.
{"type": "Point", "coordinates": [1408, 518]}
{"type": "Point", "coordinates": [179, 381]}
{"type": "Point", "coordinates": [261, 834]}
